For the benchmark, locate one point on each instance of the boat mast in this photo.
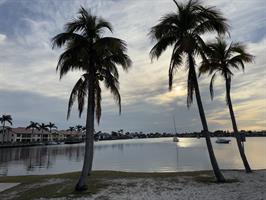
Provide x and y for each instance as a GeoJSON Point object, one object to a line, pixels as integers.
{"type": "Point", "coordinates": [174, 124]}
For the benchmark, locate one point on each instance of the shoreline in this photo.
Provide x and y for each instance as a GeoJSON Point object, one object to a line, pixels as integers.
{"type": "Point", "coordinates": [111, 185]}
{"type": "Point", "coordinates": [16, 145]}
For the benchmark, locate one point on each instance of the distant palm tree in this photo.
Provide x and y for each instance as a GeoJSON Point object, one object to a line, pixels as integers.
{"type": "Point", "coordinates": [79, 128]}
{"type": "Point", "coordinates": [88, 50]}
{"type": "Point", "coordinates": [33, 126]}
{"type": "Point", "coordinates": [71, 128]}
{"type": "Point", "coordinates": [222, 58]}
{"type": "Point", "coordinates": [183, 30]}
{"type": "Point", "coordinates": [3, 120]}
{"type": "Point", "coordinates": [51, 126]}
{"type": "Point", "coordinates": [43, 127]}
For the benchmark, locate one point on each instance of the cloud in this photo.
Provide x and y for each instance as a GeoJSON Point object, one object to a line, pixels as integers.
{"type": "Point", "coordinates": [2, 38]}
{"type": "Point", "coordinates": [27, 65]}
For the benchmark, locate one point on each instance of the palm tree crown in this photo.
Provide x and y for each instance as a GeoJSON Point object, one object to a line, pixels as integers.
{"type": "Point", "coordinates": [33, 125]}
{"type": "Point", "coordinates": [71, 128]}
{"type": "Point", "coordinates": [183, 30]}
{"type": "Point", "coordinates": [43, 127]}
{"type": "Point", "coordinates": [51, 126]}
{"type": "Point", "coordinates": [79, 128]}
{"type": "Point", "coordinates": [223, 58]}
{"type": "Point", "coordinates": [6, 118]}
{"type": "Point", "coordinates": [87, 50]}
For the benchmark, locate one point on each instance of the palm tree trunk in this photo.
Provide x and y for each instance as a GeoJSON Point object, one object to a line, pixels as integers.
{"type": "Point", "coordinates": [89, 142]}
{"type": "Point", "coordinates": [3, 131]}
{"type": "Point", "coordinates": [238, 139]}
{"type": "Point", "coordinates": [217, 172]}
{"type": "Point", "coordinates": [31, 133]}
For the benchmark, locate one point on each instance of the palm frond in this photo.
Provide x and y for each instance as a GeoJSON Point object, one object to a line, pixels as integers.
{"type": "Point", "coordinates": [98, 99]}
{"type": "Point", "coordinates": [104, 24]}
{"type": "Point", "coordinates": [74, 95]}
{"type": "Point", "coordinates": [176, 60]}
{"type": "Point", "coordinates": [161, 46]}
{"type": "Point", "coordinates": [63, 38]}
{"type": "Point", "coordinates": [112, 84]}
{"type": "Point", "coordinates": [82, 94]}
{"type": "Point", "coordinates": [211, 85]}
{"type": "Point", "coordinates": [190, 87]}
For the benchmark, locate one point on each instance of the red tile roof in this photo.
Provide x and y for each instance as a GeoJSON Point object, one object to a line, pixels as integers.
{"type": "Point", "coordinates": [29, 131]}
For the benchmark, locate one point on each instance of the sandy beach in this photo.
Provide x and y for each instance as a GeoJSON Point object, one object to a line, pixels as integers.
{"type": "Point", "coordinates": [248, 187]}
{"type": "Point", "coordinates": [107, 185]}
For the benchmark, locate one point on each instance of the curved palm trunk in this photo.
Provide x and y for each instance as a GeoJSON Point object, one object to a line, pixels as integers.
{"type": "Point", "coordinates": [238, 139]}
{"type": "Point", "coordinates": [89, 141]}
{"type": "Point", "coordinates": [218, 174]}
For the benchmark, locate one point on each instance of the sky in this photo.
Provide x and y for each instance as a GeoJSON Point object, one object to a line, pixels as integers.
{"type": "Point", "coordinates": [30, 89]}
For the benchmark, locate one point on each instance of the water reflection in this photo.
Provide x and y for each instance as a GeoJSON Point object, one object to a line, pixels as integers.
{"type": "Point", "coordinates": [130, 155]}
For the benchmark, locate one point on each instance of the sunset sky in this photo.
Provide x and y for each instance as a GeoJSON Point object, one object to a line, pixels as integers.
{"type": "Point", "coordinates": [30, 89]}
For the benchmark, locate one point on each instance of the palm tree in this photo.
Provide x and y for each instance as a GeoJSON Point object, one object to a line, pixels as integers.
{"type": "Point", "coordinates": [43, 127]}
{"type": "Point", "coordinates": [183, 30]}
{"type": "Point", "coordinates": [79, 128]}
{"type": "Point", "coordinates": [71, 128]}
{"type": "Point", "coordinates": [3, 120]}
{"type": "Point", "coordinates": [51, 126]}
{"type": "Point", "coordinates": [88, 50]}
{"type": "Point", "coordinates": [222, 58]}
{"type": "Point", "coordinates": [33, 126]}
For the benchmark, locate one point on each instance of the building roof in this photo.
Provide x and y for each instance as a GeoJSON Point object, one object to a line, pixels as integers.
{"type": "Point", "coordinates": [28, 131]}
{"type": "Point", "coordinates": [70, 132]}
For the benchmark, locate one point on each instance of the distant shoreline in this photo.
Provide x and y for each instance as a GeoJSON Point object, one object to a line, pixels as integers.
{"type": "Point", "coordinates": [15, 145]}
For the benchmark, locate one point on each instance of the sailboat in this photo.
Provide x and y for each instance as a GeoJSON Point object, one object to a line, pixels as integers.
{"type": "Point", "coordinates": [175, 138]}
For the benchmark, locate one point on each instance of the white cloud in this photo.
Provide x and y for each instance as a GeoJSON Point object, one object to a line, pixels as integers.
{"type": "Point", "coordinates": [2, 38]}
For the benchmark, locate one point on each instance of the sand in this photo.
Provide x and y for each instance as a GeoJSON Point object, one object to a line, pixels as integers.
{"type": "Point", "coordinates": [243, 187]}
{"type": "Point", "coordinates": [6, 186]}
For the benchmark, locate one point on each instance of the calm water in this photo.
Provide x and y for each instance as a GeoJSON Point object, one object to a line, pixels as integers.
{"type": "Point", "coordinates": [144, 155]}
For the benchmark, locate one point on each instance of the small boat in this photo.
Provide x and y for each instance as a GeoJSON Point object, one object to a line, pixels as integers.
{"type": "Point", "coordinates": [50, 143]}
{"type": "Point", "coordinates": [73, 141]}
{"type": "Point", "coordinates": [222, 141]}
{"type": "Point", "coordinates": [175, 139]}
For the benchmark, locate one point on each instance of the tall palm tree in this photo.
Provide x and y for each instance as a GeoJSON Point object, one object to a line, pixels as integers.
{"type": "Point", "coordinates": [51, 126]}
{"type": "Point", "coordinates": [221, 59]}
{"type": "Point", "coordinates": [88, 50]}
{"type": "Point", "coordinates": [3, 120]}
{"type": "Point", "coordinates": [182, 30]}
